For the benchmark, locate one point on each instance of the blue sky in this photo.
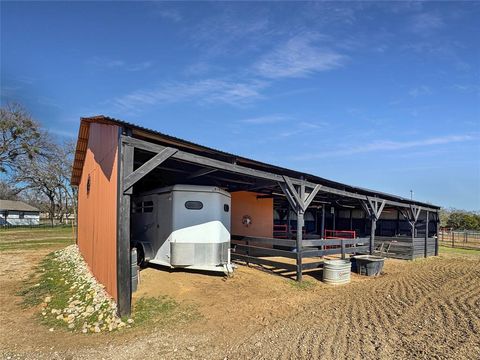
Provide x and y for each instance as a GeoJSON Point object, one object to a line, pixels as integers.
{"type": "Point", "coordinates": [383, 95]}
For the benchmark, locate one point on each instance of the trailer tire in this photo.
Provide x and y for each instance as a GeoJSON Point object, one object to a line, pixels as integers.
{"type": "Point", "coordinates": [141, 262]}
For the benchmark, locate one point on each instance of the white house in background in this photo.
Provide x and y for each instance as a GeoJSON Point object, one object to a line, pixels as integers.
{"type": "Point", "coordinates": [18, 213]}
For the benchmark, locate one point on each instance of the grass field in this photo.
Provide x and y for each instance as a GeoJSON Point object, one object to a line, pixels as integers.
{"type": "Point", "coordinates": [34, 239]}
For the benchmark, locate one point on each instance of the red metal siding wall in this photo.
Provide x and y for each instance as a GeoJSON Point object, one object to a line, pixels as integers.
{"type": "Point", "coordinates": [97, 210]}
{"type": "Point", "coordinates": [245, 203]}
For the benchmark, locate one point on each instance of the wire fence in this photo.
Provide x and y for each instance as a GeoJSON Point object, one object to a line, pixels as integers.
{"type": "Point", "coordinates": [460, 239]}
{"type": "Point", "coordinates": [42, 224]}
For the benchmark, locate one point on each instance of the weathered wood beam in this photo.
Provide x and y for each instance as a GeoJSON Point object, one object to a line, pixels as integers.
{"type": "Point", "coordinates": [300, 224]}
{"type": "Point", "coordinates": [201, 172]}
{"type": "Point", "coordinates": [124, 286]}
{"type": "Point", "coordinates": [311, 196]}
{"type": "Point", "coordinates": [290, 198]}
{"type": "Point", "coordinates": [260, 261]}
{"type": "Point", "coordinates": [132, 178]}
{"type": "Point", "coordinates": [238, 169]}
{"type": "Point", "coordinates": [379, 212]}
{"type": "Point", "coordinates": [294, 193]}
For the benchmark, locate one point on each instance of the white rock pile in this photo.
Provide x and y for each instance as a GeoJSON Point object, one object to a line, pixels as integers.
{"type": "Point", "coordinates": [89, 308]}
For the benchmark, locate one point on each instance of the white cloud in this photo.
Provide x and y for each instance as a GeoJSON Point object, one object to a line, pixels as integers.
{"type": "Point", "coordinates": [106, 63]}
{"type": "Point", "coordinates": [381, 146]}
{"type": "Point", "coordinates": [425, 23]}
{"type": "Point", "coordinates": [203, 91]}
{"type": "Point", "coordinates": [298, 57]}
{"type": "Point", "coordinates": [420, 90]}
{"type": "Point", "coordinates": [467, 88]}
{"type": "Point", "coordinates": [221, 34]}
{"type": "Point", "coordinates": [170, 14]}
{"type": "Point", "coordinates": [267, 119]}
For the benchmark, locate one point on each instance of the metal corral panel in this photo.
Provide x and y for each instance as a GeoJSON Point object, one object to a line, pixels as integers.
{"type": "Point", "coordinates": [97, 205]}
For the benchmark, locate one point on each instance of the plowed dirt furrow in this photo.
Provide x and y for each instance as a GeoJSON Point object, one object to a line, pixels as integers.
{"type": "Point", "coordinates": [423, 309]}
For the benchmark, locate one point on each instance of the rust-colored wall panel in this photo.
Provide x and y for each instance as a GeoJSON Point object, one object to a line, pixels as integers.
{"type": "Point", "coordinates": [97, 208]}
{"type": "Point", "coordinates": [245, 203]}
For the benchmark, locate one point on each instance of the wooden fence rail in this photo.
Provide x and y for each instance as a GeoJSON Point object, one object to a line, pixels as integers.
{"type": "Point", "coordinates": [256, 250]}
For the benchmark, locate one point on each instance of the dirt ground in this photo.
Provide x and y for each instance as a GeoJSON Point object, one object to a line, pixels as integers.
{"type": "Point", "coordinates": [428, 308]}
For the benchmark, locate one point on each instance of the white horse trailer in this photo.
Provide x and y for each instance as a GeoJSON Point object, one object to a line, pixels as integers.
{"type": "Point", "coordinates": [183, 226]}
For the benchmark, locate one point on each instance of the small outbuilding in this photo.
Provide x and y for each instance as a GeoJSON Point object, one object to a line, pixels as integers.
{"type": "Point", "coordinates": [18, 213]}
{"type": "Point", "coordinates": [269, 213]}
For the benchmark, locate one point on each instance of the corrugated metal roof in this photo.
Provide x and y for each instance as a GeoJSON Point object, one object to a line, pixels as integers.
{"type": "Point", "coordinates": [140, 131]}
{"type": "Point", "coordinates": [13, 205]}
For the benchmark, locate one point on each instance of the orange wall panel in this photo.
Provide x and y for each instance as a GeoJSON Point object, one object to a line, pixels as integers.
{"type": "Point", "coordinates": [260, 211]}
{"type": "Point", "coordinates": [97, 208]}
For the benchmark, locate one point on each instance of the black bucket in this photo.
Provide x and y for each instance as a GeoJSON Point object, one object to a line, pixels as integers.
{"type": "Point", "coordinates": [368, 265]}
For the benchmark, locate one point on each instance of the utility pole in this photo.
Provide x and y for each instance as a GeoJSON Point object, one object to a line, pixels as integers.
{"type": "Point", "coordinates": [411, 194]}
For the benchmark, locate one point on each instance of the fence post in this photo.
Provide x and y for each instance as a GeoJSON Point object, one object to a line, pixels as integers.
{"type": "Point", "coordinates": [342, 243]}
{"type": "Point", "coordinates": [453, 239]}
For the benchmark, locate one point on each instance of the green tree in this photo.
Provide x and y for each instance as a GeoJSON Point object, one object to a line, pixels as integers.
{"type": "Point", "coordinates": [463, 220]}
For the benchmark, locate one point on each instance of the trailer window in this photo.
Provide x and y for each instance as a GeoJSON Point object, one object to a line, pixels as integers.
{"type": "Point", "coordinates": [226, 208]}
{"type": "Point", "coordinates": [143, 207]}
{"type": "Point", "coordinates": [194, 205]}
{"type": "Point", "coordinates": [147, 206]}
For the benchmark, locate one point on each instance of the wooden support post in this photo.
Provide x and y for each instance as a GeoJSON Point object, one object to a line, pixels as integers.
{"type": "Point", "coordinates": [426, 235]}
{"type": "Point", "coordinates": [397, 230]}
{"type": "Point", "coordinates": [334, 214]}
{"type": "Point", "coordinates": [372, 235]}
{"type": "Point", "coordinates": [124, 278]}
{"type": "Point", "coordinates": [322, 227]}
{"type": "Point", "coordinates": [438, 234]}
{"type": "Point", "coordinates": [351, 219]}
{"type": "Point", "coordinates": [300, 224]}
{"type": "Point", "coordinates": [342, 243]}
{"type": "Point", "coordinates": [288, 224]}
{"type": "Point", "coordinates": [374, 211]}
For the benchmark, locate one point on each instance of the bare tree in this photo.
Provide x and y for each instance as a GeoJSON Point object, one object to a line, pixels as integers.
{"type": "Point", "coordinates": [8, 191]}
{"type": "Point", "coordinates": [37, 168]}
{"type": "Point", "coordinates": [21, 137]}
{"type": "Point", "coordinates": [49, 177]}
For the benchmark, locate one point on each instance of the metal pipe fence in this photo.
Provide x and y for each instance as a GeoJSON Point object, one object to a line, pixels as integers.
{"type": "Point", "coordinates": [460, 239]}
